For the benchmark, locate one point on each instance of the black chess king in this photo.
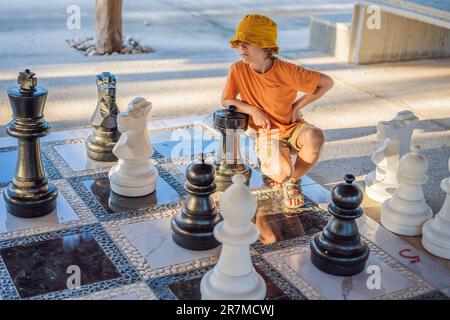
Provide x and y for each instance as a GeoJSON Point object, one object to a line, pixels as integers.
{"type": "Point", "coordinates": [338, 249]}
{"type": "Point", "coordinates": [29, 195]}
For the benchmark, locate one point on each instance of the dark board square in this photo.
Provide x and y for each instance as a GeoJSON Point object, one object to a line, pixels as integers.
{"type": "Point", "coordinates": [112, 202]}
{"type": "Point", "coordinates": [184, 148]}
{"type": "Point", "coordinates": [190, 289]}
{"type": "Point", "coordinates": [42, 267]}
{"type": "Point", "coordinates": [276, 225]}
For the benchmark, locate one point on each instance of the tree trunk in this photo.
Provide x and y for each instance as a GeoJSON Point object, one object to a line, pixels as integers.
{"type": "Point", "coordinates": [108, 37]}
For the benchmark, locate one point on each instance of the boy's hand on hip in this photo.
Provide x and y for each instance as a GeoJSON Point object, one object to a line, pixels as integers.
{"type": "Point", "coordinates": [260, 118]}
{"type": "Point", "coordinates": [297, 115]}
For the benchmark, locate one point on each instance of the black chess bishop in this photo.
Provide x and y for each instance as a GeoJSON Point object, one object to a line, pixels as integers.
{"type": "Point", "coordinates": [338, 249]}
{"type": "Point", "coordinates": [193, 226]}
{"type": "Point", "coordinates": [99, 145]}
{"type": "Point", "coordinates": [29, 195]}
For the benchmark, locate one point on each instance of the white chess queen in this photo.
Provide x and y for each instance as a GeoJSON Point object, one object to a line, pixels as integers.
{"type": "Point", "coordinates": [134, 175]}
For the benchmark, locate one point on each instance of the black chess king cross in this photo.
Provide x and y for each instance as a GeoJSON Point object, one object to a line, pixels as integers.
{"type": "Point", "coordinates": [193, 227]}
{"type": "Point", "coordinates": [29, 195]}
{"type": "Point", "coordinates": [338, 249]}
{"type": "Point", "coordinates": [104, 121]}
{"type": "Point", "coordinates": [229, 162]}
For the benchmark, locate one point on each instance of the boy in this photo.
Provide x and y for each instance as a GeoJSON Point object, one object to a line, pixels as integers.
{"type": "Point", "coordinates": [267, 89]}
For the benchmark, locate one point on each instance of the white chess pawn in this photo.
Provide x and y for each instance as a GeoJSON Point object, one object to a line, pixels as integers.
{"type": "Point", "coordinates": [382, 182]}
{"type": "Point", "coordinates": [436, 231]}
{"type": "Point", "coordinates": [233, 277]}
{"type": "Point", "coordinates": [134, 175]}
{"type": "Point", "coordinates": [406, 212]}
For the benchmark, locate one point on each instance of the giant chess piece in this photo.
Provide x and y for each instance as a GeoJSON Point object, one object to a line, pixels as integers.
{"type": "Point", "coordinates": [29, 195]}
{"type": "Point", "coordinates": [406, 212]}
{"type": "Point", "coordinates": [436, 231]}
{"type": "Point", "coordinates": [104, 120]}
{"type": "Point", "coordinates": [338, 249]}
{"type": "Point", "coordinates": [193, 227]}
{"type": "Point", "coordinates": [134, 175]}
{"type": "Point", "coordinates": [233, 277]}
{"type": "Point", "coordinates": [382, 182]}
{"type": "Point", "coordinates": [228, 158]}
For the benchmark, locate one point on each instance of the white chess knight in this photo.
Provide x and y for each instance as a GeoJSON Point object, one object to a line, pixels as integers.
{"type": "Point", "coordinates": [406, 212]}
{"type": "Point", "coordinates": [436, 231]}
{"type": "Point", "coordinates": [233, 277]}
{"type": "Point", "coordinates": [382, 182]}
{"type": "Point", "coordinates": [134, 175]}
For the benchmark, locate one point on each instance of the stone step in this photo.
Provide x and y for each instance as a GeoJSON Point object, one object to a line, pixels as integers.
{"type": "Point", "coordinates": [331, 34]}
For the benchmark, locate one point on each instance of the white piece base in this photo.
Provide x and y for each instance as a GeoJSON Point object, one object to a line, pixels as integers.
{"type": "Point", "coordinates": [378, 191]}
{"type": "Point", "coordinates": [403, 223]}
{"type": "Point", "coordinates": [249, 287]}
{"type": "Point", "coordinates": [133, 186]}
{"type": "Point", "coordinates": [436, 239]}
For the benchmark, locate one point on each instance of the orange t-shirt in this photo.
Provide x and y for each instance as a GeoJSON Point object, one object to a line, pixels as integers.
{"type": "Point", "coordinates": [273, 91]}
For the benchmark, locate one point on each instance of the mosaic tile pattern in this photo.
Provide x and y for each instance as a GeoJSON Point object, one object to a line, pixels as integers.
{"type": "Point", "coordinates": [114, 235]}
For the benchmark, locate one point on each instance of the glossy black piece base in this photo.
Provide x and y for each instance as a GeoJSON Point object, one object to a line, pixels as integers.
{"type": "Point", "coordinates": [30, 204]}
{"type": "Point", "coordinates": [100, 144]}
{"type": "Point", "coordinates": [225, 172]}
{"type": "Point", "coordinates": [347, 263]}
{"type": "Point", "coordinates": [195, 232]}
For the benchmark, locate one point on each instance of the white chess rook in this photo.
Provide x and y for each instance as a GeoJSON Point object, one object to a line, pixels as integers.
{"type": "Point", "coordinates": [382, 182]}
{"type": "Point", "coordinates": [406, 212]}
{"type": "Point", "coordinates": [436, 231]}
{"type": "Point", "coordinates": [134, 175]}
{"type": "Point", "coordinates": [233, 277]}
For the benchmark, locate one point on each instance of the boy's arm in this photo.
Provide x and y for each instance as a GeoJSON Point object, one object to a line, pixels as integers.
{"type": "Point", "coordinates": [325, 83]}
{"type": "Point", "coordinates": [259, 117]}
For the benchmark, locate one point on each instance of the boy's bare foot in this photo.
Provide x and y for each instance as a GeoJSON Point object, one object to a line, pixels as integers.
{"type": "Point", "coordinates": [292, 194]}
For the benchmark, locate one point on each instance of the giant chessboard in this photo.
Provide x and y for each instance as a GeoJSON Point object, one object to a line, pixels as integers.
{"type": "Point", "coordinates": [123, 247]}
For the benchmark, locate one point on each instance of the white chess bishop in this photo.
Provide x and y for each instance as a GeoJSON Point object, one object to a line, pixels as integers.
{"type": "Point", "coordinates": [233, 277]}
{"type": "Point", "coordinates": [134, 175]}
{"type": "Point", "coordinates": [436, 231]}
{"type": "Point", "coordinates": [406, 212]}
{"type": "Point", "coordinates": [382, 182]}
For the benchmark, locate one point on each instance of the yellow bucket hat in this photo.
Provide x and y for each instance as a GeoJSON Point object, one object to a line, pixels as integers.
{"type": "Point", "coordinates": [258, 30]}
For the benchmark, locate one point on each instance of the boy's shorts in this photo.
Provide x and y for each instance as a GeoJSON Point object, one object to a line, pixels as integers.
{"type": "Point", "coordinates": [268, 145]}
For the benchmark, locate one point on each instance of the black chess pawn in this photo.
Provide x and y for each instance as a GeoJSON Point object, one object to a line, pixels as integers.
{"type": "Point", "coordinates": [338, 249]}
{"type": "Point", "coordinates": [104, 120]}
{"type": "Point", "coordinates": [193, 226]}
{"type": "Point", "coordinates": [229, 162]}
{"type": "Point", "coordinates": [30, 195]}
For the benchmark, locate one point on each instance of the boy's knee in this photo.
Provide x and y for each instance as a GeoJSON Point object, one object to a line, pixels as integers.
{"type": "Point", "coordinates": [313, 138]}
{"type": "Point", "coordinates": [278, 172]}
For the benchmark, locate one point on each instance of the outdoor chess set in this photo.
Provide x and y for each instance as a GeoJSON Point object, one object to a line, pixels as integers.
{"type": "Point", "coordinates": [129, 210]}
